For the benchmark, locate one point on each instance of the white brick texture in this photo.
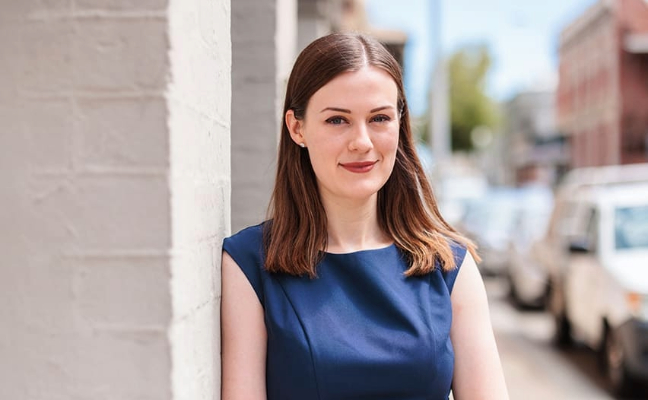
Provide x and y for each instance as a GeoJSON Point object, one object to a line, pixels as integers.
{"type": "Point", "coordinates": [263, 50]}
{"type": "Point", "coordinates": [115, 171]}
{"type": "Point", "coordinates": [199, 99]}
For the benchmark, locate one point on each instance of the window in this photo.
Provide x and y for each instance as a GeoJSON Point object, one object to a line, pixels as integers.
{"type": "Point", "coordinates": [592, 230]}
{"type": "Point", "coordinates": [631, 227]}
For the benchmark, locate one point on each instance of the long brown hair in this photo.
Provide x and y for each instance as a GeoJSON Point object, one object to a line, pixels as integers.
{"type": "Point", "coordinates": [295, 234]}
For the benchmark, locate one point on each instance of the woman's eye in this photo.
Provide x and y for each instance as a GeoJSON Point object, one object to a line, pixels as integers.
{"type": "Point", "coordinates": [335, 120]}
{"type": "Point", "coordinates": [381, 118]}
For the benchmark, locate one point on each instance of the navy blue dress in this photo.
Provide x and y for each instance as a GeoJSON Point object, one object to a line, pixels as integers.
{"type": "Point", "coordinates": [360, 330]}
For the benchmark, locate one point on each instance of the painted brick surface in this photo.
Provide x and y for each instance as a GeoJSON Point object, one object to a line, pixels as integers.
{"type": "Point", "coordinates": [112, 53]}
{"type": "Point", "coordinates": [263, 50]}
{"type": "Point", "coordinates": [126, 5]}
{"type": "Point", "coordinates": [95, 286]}
{"type": "Point", "coordinates": [199, 109]}
{"type": "Point", "coordinates": [40, 55]}
{"type": "Point", "coordinates": [101, 212]}
{"type": "Point", "coordinates": [114, 158]}
{"type": "Point", "coordinates": [50, 135]}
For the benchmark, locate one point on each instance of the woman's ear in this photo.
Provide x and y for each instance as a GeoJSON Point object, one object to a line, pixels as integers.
{"type": "Point", "coordinates": [295, 127]}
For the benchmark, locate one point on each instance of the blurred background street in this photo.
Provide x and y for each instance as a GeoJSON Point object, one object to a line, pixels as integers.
{"type": "Point", "coordinates": [534, 131]}
{"type": "Point", "coordinates": [534, 367]}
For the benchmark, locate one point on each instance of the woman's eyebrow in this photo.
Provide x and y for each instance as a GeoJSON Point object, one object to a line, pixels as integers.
{"type": "Point", "coordinates": [344, 110]}
{"type": "Point", "coordinates": [380, 108]}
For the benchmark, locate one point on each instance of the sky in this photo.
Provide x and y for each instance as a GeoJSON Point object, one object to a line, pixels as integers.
{"type": "Point", "coordinates": [522, 37]}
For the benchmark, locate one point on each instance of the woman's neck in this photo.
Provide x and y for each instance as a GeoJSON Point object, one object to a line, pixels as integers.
{"type": "Point", "coordinates": [353, 226]}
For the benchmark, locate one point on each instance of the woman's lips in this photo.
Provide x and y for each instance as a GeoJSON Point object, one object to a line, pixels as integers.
{"type": "Point", "coordinates": [359, 167]}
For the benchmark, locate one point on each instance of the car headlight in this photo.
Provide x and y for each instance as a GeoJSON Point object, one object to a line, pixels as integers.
{"type": "Point", "coordinates": [638, 304]}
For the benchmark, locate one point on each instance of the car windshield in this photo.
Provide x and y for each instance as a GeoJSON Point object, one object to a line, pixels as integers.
{"type": "Point", "coordinates": [631, 227]}
{"type": "Point", "coordinates": [495, 214]}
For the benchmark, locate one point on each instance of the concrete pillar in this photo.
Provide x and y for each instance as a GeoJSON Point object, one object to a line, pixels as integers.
{"type": "Point", "coordinates": [263, 50]}
{"type": "Point", "coordinates": [199, 113]}
{"type": "Point", "coordinates": [114, 163]}
{"type": "Point", "coordinates": [314, 19]}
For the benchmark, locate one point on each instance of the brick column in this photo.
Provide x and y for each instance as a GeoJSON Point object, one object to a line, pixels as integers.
{"type": "Point", "coordinates": [198, 101]}
{"type": "Point", "coordinates": [263, 50]}
{"type": "Point", "coordinates": [114, 163]}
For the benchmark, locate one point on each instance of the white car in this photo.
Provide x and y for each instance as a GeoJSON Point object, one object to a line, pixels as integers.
{"type": "Point", "coordinates": [489, 221]}
{"type": "Point", "coordinates": [605, 284]}
{"type": "Point", "coordinates": [528, 280]}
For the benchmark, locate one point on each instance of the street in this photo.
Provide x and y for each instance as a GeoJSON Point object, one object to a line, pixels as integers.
{"type": "Point", "coordinates": [533, 366]}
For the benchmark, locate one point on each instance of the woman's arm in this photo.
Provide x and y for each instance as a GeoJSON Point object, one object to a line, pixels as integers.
{"type": "Point", "coordinates": [243, 336]}
{"type": "Point", "coordinates": [478, 372]}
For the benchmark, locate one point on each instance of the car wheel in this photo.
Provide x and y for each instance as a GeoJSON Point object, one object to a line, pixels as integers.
{"type": "Point", "coordinates": [513, 294]}
{"type": "Point", "coordinates": [614, 363]}
{"type": "Point", "coordinates": [546, 298]}
{"type": "Point", "coordinates": [562, 332]}
{"type": "Point", "coordinates": [562, 327]}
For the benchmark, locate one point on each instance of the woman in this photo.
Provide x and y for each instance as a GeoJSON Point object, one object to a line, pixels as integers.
{"type": "Point", "coordinates": [355, 287]}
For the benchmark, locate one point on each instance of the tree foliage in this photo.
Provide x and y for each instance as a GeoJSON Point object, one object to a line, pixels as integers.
{"type": "Point", "coordinates": [470, 107]}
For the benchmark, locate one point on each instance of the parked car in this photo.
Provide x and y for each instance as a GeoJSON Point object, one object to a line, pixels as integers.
{"type": "Point", "coordinates": [553, 249]}
{"type": "Point", "coordinates": [528, 280]}
{"type": "Point", "coordinates": [604, 288]}
{"type": "Point", "coordinates": [489, 221]}
{"type": "Point", "coordinates": [456, 184]}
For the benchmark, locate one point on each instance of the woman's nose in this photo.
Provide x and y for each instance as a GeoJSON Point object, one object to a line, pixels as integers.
{"type": "Point", "coordinates": [361, 140]}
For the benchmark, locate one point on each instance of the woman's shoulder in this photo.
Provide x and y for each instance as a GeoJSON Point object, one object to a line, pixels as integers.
{"type": "Point", "coordinates": [459, 252]}
{"type": "Point", "coordinates": [247, 237]}
{"type": "Point", "coordinates": [246, 249]}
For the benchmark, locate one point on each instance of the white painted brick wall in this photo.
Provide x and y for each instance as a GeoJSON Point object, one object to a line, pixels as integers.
{"type": "Point", "coordinates": [199, 101]}
{"type": "Point", "coordinates": [314, 19]}
{"type": "Point", "coordinates": [114, 163]}
{"type": "Point", "coordinates": [263, 50]}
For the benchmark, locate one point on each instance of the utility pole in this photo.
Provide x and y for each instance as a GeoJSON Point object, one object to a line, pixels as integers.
{"type": "Point", "coordinates": [439, 127]}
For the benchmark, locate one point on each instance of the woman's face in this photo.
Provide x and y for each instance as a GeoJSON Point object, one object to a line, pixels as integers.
{"type": "Point", "coordinates": [350, 130]}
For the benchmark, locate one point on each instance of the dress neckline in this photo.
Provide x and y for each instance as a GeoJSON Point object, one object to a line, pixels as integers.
{"type": "Point", "coordinates": [377, 249]}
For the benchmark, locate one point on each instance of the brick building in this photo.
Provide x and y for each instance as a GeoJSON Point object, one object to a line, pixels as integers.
{"type": "Point", "coordinates": [602, 99]}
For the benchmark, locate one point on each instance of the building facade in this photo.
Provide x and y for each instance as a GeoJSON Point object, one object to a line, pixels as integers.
{"type": "Point", "coordinates": [534, 149]}
{"type": "Point", "coordinates": [602, 98]}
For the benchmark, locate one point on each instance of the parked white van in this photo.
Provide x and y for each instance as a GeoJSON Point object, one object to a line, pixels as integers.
{"type": "Point", "coordinates": [537, 279]}
{"type": "Point", "coordinates": [604, 286]}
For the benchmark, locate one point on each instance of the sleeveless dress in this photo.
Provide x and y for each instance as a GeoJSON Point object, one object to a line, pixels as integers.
{"type": "Point", "coordinates": [360, 330]}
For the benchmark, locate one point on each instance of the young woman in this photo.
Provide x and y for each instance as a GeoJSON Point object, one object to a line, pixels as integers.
{"type": "Point", "coordinates": [355, 287]}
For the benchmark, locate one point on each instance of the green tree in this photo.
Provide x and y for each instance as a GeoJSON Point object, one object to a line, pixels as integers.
{"type": "Point", "coordinates": [470, 107]}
